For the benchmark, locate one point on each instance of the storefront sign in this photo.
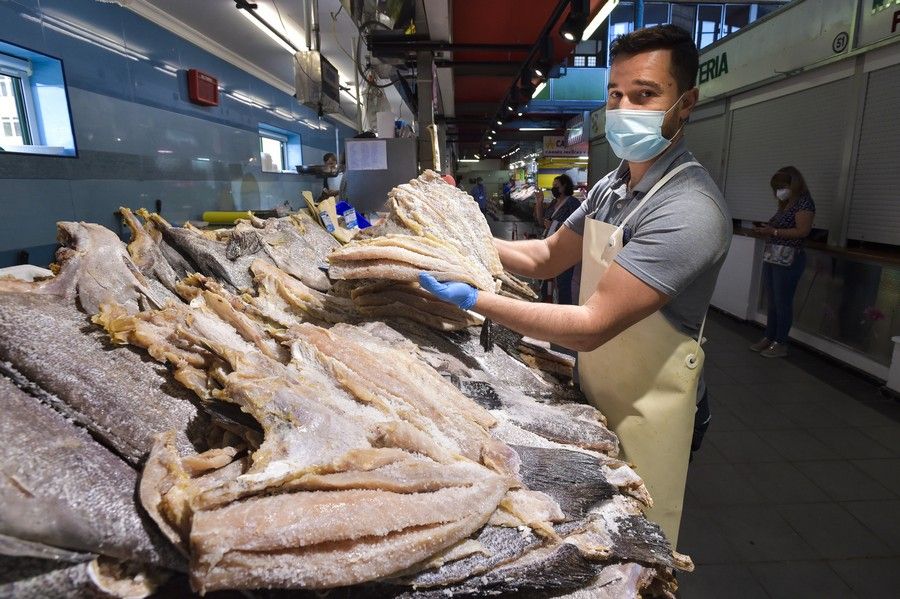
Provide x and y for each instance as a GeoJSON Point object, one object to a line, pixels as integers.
{"type": "Point", "coordinates": [801, 35]}
{"type": "Point", "coordinates": [713, 68]}
{"type": "Point", "coordinates": [878, 20]}
{"type": "Point", "coordinates": [598, 123]}
{"type": "Point", "coordinates": [555, 145]}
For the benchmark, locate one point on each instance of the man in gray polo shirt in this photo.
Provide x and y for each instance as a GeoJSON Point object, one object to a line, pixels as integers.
{"type": "Point", "coordinates": [674, 245]}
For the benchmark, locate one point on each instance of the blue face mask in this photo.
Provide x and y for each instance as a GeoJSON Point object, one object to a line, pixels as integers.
{"type": "Point", "coordinates": [636, 135]}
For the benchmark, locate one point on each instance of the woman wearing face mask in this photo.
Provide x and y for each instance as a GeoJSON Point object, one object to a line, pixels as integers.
{"type": "Point", "coordinates": [559, 289]}
{"type": "Point", "coordinates": [784, 258]}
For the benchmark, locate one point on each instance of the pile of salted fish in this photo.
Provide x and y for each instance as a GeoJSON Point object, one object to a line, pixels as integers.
{"type": "Point", "coordinates": [181, 416]}
{"type": "Point", "coordinates": [432, 227]}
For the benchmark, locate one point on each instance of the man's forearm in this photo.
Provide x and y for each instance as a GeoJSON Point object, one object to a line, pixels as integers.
{"type": "Point", "coordinates": [569, 326]}
{"type": "Point", "coordinates": [525, 258]}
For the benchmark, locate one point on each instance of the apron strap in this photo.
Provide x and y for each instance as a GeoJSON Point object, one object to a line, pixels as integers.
{"type": "Point", "coordinates": [668, 177]}
{"type": "Point", "coordinates": [691, 360]}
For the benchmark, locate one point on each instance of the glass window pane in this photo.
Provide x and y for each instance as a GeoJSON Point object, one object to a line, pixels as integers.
{"type": "Point", "coordinates": [271, 154]}
{"type": "Point", "coordinates": [765, 9]}
{"type": "Point", "coordinates": [736, 17]}
{"type": "Point", "coordinates": [10, 113]}
{"type": "Point", "coordinates": [656, 13]}
{"type": "Point", "coordinates": [709, 20]}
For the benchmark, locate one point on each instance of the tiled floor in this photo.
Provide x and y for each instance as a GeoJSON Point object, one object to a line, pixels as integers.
{"type": "Point", "coordinates": [795, 493]}
{"type": "Point", "coordinates": [796, 490]}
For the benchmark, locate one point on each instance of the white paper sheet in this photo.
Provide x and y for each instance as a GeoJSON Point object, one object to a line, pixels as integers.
{"type": "Point", "coordinates": [368, 155]}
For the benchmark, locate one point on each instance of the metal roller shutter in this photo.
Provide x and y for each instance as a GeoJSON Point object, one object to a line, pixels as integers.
{"type": "Point", "coordinates": [875, 200]}
{"type": "Point", "coordinates": [705, 139]}
{"type": "Point", "coordinates": [804, 129]}
{"type": "Point", "coordinates": [597, 161]}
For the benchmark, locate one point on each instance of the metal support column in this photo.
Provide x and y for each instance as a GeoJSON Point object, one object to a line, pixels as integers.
{"type": "Point", "coordinates": [425, 104]}
{"type": "Point", "coordinates": [638, 14]}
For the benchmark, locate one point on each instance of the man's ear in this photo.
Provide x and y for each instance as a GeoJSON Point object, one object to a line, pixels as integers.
{"type": "Point", "coordinates": [689, 102]}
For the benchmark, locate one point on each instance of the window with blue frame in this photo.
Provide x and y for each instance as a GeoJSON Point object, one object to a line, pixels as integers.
{"type": "Point", "coordinates": [280, 150]}
{"type": "Point", "coordinates": [34, 106]}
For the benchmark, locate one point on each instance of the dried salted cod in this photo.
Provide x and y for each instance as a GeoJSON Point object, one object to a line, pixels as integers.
{"type": "Point", "coordinates": [94, 267]}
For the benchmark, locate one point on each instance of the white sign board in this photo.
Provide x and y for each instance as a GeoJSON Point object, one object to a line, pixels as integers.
{"type": "Point", "coordinates": [798, 36]}
{"type": "Point", "coordinates": [555, 145]}
{"type": "Point", "coordinates": [878, 20]}
{"type": "Point", "coordinates": [598, 123]}
{"type": "Point", "coordinates": [368, 155]}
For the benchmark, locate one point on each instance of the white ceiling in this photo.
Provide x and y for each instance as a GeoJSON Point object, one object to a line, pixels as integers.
{"type": "Point", "coordinates": [248, 47]}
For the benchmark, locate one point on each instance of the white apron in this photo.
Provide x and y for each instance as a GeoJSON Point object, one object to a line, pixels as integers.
{"type": "Point", "coordinates": [644, 380]}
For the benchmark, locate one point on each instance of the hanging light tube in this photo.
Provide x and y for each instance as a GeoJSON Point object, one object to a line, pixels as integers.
{"type": "Point", "coordinates": [601, 16]}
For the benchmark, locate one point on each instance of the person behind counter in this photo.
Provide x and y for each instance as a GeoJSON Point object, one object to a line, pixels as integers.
{"type": "Point", "coordinates": [560, 289]}
{"type": "Point", "coordinates": [651, 236]}
{"type": "Point", "coordinates": [784, 259]}
{"type": "Point", "coordinates": [332, 177]}
{"type": "Point", "coordinates": [479, 194]}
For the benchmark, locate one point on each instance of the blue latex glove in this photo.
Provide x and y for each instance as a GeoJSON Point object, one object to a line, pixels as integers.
{"type": "Point", "coordinates": [460, 294]}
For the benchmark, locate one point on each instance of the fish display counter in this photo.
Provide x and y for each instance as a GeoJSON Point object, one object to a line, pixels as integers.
{"type": "Point", "coordinates": [264, 407]}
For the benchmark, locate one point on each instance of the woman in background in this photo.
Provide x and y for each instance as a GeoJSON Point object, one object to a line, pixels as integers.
{"type": "Point", "coordinates": [560, 289]}
{"type": "Point", "coordinates": [784, 258]}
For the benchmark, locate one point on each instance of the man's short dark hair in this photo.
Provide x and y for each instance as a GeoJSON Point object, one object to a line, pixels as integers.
{"type": "Point", "coordinates": [685, 56]}
{"type": "Point", "coordinates": [328, 156]}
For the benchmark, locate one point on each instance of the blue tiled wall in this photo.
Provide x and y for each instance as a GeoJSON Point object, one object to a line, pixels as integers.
{"type": "Point", "coordinates": [125, 112]}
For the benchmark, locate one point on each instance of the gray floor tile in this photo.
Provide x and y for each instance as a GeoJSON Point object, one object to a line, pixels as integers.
{"type": "Point", "coordinates": [701, 538]}
{"type": "Point", "coordinates": [759, 534]}
{"type": "Point", "coordinates": [724, 419]}
{"type": "Point", "coordinates": [851, 443]}
{"type": "Point", "coordinates": [713, 375]}
{"type": "Point", "coordinates": [857, 413]}
{"type": "Point", "coordinates": [800, 580]}
{"type": "Point", "coordinates": [832, 531]}
{"type": "Point", "coordinates": [718, 581]}
{"type": "Point", "coordinates": [708, 454]}
{"type": "Point", "coordinates": [781, 482]}
{"type": "Point", "coordinates": [880, 517]}
{"type": "Point", "coordinates": [744, 446]}
{"type": "Point", "coordinates": [889, 436]}
{"type": "Point", "coordinates": [730, 358]}
{"type": "Point", "coordinates": [870, 577]}
{"type": "Point", "coordinates": [719, 485]}
{"type": "Point", "coordinates": [842, 481]}
{"type": "Point", "coordinates": [757, 372]}
{"type": "Point", "coordinates": [887, 472]}
{"type": "Point", "coordinates": [759, 416]}
{"type": "Point", "coordinates": [798, 445]}
{"type": "Point", "coordinates": [816, 392]}
{"type": "Point", "coordinates": [810, 416]}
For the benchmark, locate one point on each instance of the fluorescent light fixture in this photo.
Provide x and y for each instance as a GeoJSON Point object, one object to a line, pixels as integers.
{"type": "Point", "coordinates": [164, 151]}
{"type": "Point", "coordinates": [283, 114]}
{"type": "Point", "coordinates": [257, 20]}
{"type": "Point", "coordinates": [467, 160]}
{"type": "Point", "coordinates": [539, 89]}
{"type": "Point", "coordinates": [520, 113]}
{"type": "Point", "coordinates": [568, 35]}
{"type": "Point", "coordinates": [601, 16]}
{"type": "Point", "coordinates": [536, 129]}
{"type": "Point", "coordinates": [499, 122]}
{"type": "Point", "coordinates": [583, 157]}
{"type": "Point", "coordinates": [477, 156]}
{"type": "Point", "coordinates": [493, 132]}
{"type": "Point", "coordinates": [493, 143]}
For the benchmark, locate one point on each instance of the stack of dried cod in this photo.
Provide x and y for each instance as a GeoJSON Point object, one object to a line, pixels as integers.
{"type": "Point", "coordinates": [432, 227]}
{"type": "Point", "coordinates": [279, 440]}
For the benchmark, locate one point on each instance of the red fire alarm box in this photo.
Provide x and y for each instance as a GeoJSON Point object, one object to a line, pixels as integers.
{"type": "Point", "coordinates": [202, 88]}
